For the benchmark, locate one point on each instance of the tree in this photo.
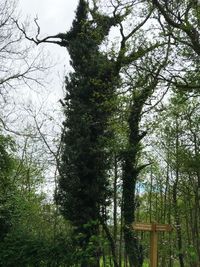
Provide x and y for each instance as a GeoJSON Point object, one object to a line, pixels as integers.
{"type": "Point", "coordinates": [142, 88]}
{"type": "Point", "coordinates": [88, 105]}
{"type": "Point", "coordinates": [87, 126]}
{"type": "Point", "coordinates": [83, 185]}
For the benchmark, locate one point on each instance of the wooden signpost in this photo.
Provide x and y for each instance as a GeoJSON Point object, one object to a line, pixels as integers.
{"type": "Point", "coordinates": [153, 228]}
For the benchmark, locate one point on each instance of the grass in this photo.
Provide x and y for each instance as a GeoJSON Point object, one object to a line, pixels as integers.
{"type": "Point", "coordinates": [145, 264]}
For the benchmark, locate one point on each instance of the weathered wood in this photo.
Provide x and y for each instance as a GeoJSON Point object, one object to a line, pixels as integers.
{"type": "Point", "coordinates": [154, 249]}
{"type": "Point", "coordinates": [142, 226]}
{"type": "Point", "coordinates": [153, 228]}
{"type": "Point", "coordinates": [149, 227]}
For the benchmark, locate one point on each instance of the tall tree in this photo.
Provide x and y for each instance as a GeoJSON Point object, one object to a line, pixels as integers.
{"type": "Point", "coordinates": [88, 107]}
{"type": "Point", "coordinates": [83, 185]}
{"type": "Point", "coordinates": [141, 88]}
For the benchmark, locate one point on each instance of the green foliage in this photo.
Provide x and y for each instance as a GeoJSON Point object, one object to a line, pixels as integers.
{"type": "Point", "coordinates": [84, 185]}
{"type": "Point", "coordinates": [6, 186]}
{"type": "Point", "coordinates": [171, 183]}
{"type": "Point", "coordinates": [31, 232]}
{"type": "Point", "coordinates": [6, 161]}
{"type": "Point", "coordinates": [25, 249]}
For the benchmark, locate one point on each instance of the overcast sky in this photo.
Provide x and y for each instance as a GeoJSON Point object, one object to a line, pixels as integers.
{"type": "Point", "coordinates": [54, 16]}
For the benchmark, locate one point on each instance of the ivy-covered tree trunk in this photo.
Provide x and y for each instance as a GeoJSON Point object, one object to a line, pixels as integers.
{"type": "Point", "coordinates": [130, 173]}
{"type": "Point", "coordinates": [83, 185]}
{"type": "Point", "coordinates": [131, 170]}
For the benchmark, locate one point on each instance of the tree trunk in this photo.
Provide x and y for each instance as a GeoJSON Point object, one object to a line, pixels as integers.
{"type": "Point", "coordinates": [115, 200]}
{"type": "Point", "coordinates": [131, 170]}
{"type": "Point", "coordinates": [133, 249]}
{"type": "Point", "coordinates": [130, 173]}
{"type": "Point", "coordinates": [121, 234]}
{"type": "Point", "coordinates": [176, 210]}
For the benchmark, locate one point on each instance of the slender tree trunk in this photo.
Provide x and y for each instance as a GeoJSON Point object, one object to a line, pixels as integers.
{"type": "Point", "coordinates": [121, 234]}
{"type": "Point", "coordinates": [112, 243]}
{"type": "Point", "coordinates": [150, 195]}
{"type": "Point", "coordinates": [197, 198]}
{"type": "Point", "coordinates": [130, 173]}
{"type": "Point", "coordinates": [115, 200]}
{"type": "Point", "coordinates": [133, 250]}
{"type": "Point", "coordinates": [175, 201]}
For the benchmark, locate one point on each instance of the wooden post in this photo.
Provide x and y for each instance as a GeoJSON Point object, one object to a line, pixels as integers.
{"type": "Point", "coordinates": [153, 228]}
{"type": "Point", "coordinates": [154, 247]}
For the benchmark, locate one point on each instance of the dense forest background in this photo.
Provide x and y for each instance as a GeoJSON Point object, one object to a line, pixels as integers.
{"type": "Point", "coordinates": [122, 146]}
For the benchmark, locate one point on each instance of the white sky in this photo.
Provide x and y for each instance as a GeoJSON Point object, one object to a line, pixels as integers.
{"type": "Point", "coordinates": [54, 16]}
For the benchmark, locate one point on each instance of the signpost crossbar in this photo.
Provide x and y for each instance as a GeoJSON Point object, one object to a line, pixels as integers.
{"type": "Point", "coordinates": [152, 227]}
